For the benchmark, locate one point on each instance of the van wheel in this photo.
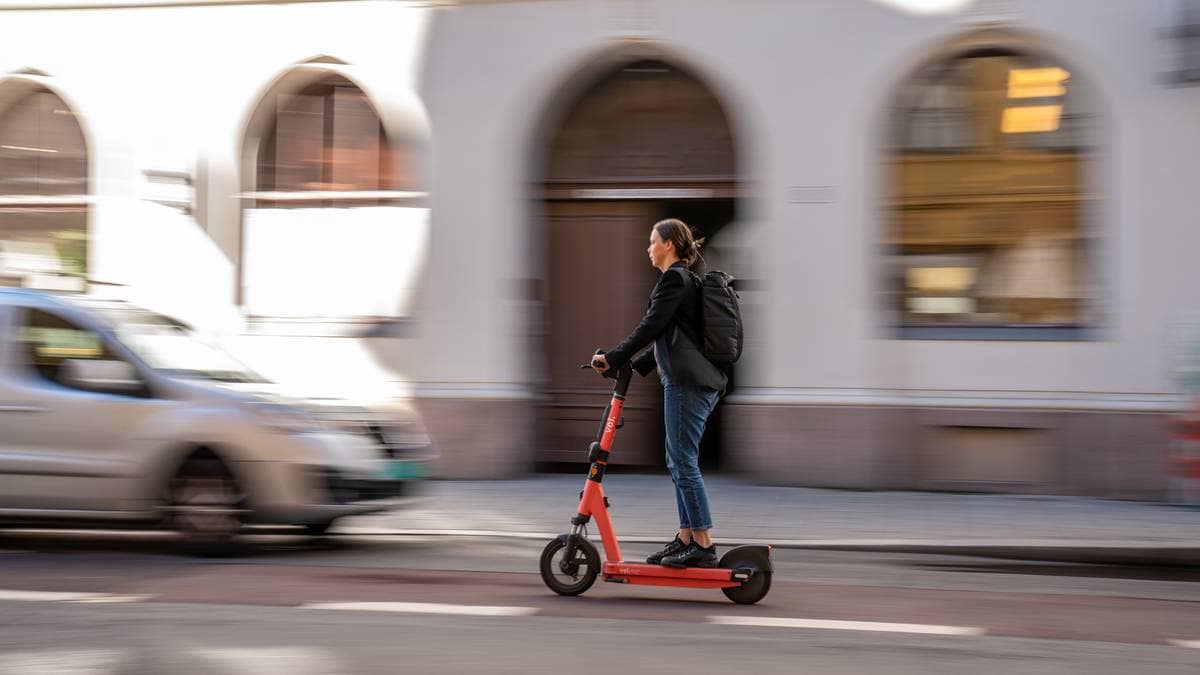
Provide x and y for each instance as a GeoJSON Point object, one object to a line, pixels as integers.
{"type": "Point", "coordinates": [205, 506]}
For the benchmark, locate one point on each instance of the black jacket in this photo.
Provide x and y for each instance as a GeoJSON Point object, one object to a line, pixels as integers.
{"type": "Point", "coordinates": [672, 323]}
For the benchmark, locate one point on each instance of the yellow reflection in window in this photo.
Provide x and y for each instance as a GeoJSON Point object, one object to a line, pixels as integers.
{"type": "Point", "coordinates": [941, 278]}
{"type": "Point", "coordinates": [1030, 119]}
{"type": "Point", "coordinates": [1036, 82]}
{"type": "Point", "coordinates": [64, 343]}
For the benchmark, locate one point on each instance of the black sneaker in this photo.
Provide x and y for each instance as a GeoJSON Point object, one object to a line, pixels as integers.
{"type": "Point", "coordinates": [674, 547]}
{"type": "Point", "coordinates": [692, 555]}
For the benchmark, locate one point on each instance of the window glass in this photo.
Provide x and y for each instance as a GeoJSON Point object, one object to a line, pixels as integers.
{"type": "Point", "coordinates": [328, 137]}
{"type": "Point", "coordinates": [988, 160]}
{"type": "Point", "coordinates": [172, 348]}
{"type": "Point", "coordinates": [41, 148]}
{"type": "Point", "coordinates": [47, 340]}
{"type": "Point", "coordinates": [43, 176]}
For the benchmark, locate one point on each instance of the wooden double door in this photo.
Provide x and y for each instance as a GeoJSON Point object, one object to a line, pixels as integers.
{"type": "Point", "coordinates": [599, 280]}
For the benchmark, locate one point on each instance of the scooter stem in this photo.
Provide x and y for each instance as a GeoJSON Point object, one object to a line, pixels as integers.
{"type": "Point", "coordinates": [592, 502]}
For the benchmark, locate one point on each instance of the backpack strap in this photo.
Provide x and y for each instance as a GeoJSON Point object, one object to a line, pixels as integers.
{"type": "Point", "coordinates": [696, 336]}
{"type": "Point", "coordinates": [687, 273]}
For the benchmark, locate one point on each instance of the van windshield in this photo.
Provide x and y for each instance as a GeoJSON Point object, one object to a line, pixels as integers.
{"type": "Point", "coordinates": [173, 348]}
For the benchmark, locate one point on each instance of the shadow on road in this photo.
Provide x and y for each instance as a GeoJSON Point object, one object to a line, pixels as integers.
{"type": "Point", "coordinates": [1136, 572]}
{"type": "Point", "coordinates": [162, 543]}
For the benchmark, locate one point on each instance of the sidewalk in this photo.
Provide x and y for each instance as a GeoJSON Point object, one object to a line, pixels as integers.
{"type": "Point", "coordinates": [643, 507]}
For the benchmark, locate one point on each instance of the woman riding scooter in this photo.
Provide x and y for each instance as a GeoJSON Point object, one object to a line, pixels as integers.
{"type": "Point", "coordinates": [691, 384]}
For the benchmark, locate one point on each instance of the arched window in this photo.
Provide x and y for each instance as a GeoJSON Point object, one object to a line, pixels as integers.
{"type": "Point", "coordinates": [334, 219]}
{"type": "Point", "coordinates": [41, 148]}
{"type": "Point", "coordinates": [328, 138]}
{"type": "Point", "coordinates": [43, 193]}
{"type": "Point", "coordinates": [989, 155]}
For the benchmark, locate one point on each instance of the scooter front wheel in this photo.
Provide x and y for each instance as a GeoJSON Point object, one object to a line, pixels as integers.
{"type": "Point", "coordinates": [569, 565]}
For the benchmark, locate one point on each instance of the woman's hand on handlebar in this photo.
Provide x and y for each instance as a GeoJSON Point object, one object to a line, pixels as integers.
{"type": "Point", "coordinates": [599, 363]}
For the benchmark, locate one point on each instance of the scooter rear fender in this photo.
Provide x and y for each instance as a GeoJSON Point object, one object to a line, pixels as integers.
{"type": "Point", "coordinates": [758, 555]}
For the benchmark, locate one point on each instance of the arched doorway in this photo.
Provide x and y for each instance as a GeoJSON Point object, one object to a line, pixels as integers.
{"type": "Point", "coordinates": [43, 191]}
{"type": "Point", "coordinates": [647, 140]}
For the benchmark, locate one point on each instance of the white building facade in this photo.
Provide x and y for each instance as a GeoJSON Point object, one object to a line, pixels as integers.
{"type": "Point", "coordinates": [896, 337]}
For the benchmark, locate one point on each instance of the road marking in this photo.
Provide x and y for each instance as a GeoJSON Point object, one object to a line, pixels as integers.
{"type": "Point", "coordinates": [113, 599]}
{"type": "Point", "coordinates": [74, 662]}
{"type": "Point", "coordinates": [1190, 644]}
{"type": "Point", "coordinates": [60, 596]}
{"type": "Point", "coordinates": [423, 608]}
{"type": "Point", "coordinates": [273, 660]}
{"type": "Point", "coordinates": [826, 624]}
{"type": "Point", "coordinates": [46, 596]}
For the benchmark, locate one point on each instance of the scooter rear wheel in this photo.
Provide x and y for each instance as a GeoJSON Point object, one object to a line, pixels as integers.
{"type": "Point", "coordinates": [757, 561]}
{"type": "Point", "coordinates": [753, 589]}
{"type": "Point", "coordinates": [569, 576]}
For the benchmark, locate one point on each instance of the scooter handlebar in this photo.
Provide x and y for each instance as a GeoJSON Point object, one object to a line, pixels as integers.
{"type": "Point", "coordinates": [611, 373]}
{"type": "Point", "coordinates": [599, 352]}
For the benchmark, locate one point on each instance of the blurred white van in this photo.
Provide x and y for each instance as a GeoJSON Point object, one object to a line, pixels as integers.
{"type": "Point", "coordinates": [110, 412]}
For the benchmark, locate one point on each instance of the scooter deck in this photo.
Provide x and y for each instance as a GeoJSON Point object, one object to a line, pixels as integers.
{"type": "Point", "coordinates": [658, 575]}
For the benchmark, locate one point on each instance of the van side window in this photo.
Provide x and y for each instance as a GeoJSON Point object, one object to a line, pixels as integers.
{"type": "Point", "coordinates": [46, 340]}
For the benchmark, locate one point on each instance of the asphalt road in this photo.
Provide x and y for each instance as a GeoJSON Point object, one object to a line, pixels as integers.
{"type": "Point", "coordinates": [125, 604]}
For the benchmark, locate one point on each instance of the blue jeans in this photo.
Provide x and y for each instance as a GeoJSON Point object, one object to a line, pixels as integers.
{"type": "Point", "coordinates": [685, 411]}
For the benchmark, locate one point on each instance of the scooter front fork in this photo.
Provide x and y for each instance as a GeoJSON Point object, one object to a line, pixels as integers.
{"type": "Point", "coordinates": [568, 565]}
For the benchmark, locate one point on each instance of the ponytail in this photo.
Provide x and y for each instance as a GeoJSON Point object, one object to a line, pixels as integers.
{"type": "Point", "coordinates": [687, 246]}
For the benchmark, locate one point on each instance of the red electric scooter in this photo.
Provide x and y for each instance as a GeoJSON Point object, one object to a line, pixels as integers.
{"type": "Point", "coordinates": [570, 563]}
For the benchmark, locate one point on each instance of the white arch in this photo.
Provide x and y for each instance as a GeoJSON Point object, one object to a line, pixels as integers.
{"type": "Point", "coordinates": [1019, 40]}
{"type": "Point", "coordinates": [583, 72]}
{"type": "Point", "coordinates": [402, 113]}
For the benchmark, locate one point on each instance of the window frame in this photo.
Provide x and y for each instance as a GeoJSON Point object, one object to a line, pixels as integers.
{"type": "Point", "coordinates": [113, 350]}
{"type": "Point", "coordinates": [1089, 253]}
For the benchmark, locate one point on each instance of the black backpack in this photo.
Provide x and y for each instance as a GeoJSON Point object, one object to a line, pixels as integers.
{"type": "Point", "coordinates": [720, 318]}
